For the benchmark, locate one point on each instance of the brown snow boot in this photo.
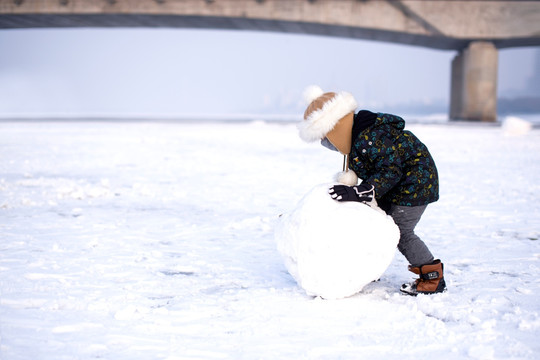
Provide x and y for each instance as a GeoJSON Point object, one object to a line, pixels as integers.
{"type": "Point", "coordinates": [431, 279]}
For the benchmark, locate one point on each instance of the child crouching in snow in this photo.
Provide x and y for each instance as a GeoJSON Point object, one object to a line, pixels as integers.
{"type": "Point", "coordinates": [396, 169]}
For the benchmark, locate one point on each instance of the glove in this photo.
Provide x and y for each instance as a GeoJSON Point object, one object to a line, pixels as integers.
{"type": "Point", "coordinates": [361, 193]}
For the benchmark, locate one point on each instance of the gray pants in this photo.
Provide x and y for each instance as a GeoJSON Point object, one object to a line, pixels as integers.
{"type": "Point", "coordinates": [410, 245]}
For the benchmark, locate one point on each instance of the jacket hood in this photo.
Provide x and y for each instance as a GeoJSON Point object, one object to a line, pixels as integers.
{"type": "Point", "coordinates": [365, 119]}
{"type": "Point", "coordinates": [393, 120]}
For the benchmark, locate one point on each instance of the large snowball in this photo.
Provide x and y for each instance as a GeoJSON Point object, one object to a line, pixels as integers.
{"type": "Point", "coordinates": [333, 249]}
{"type": "Point", "coordinates": [514, 126]}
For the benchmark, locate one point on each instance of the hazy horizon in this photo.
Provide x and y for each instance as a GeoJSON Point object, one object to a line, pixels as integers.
{"type": "Point", "coordinates": [172, 72]}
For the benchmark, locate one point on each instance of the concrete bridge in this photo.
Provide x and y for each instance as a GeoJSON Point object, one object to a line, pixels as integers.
{"type": "Point", "coordinates": [475, 29]}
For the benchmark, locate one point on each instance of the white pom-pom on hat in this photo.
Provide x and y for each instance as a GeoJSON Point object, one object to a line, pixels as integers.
{"type": "Point", "coordinates": [348, 178]}
{"type": "Point", "coordinates": [312, 92]}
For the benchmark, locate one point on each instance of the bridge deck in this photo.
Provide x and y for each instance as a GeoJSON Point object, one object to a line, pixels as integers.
{"type": "Point", "coordinates": [434, 24]}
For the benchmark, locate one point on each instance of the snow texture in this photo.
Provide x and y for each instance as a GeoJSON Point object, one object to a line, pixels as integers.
{"type": "Point", "coordinates": [333, 249]}
{"type": "Point", "coordinates": [138, 240]}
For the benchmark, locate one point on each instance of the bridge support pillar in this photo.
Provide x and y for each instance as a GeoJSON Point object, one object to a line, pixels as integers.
{"type": "Point", "coordinates": [474, 83]}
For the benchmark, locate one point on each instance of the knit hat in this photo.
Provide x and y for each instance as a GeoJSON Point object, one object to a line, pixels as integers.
{"type": "Point", "coordinates": [330, 115]}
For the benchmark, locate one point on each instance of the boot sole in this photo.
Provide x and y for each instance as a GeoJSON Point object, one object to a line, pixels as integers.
{"type": "Point", "coordinates": [416, 293]}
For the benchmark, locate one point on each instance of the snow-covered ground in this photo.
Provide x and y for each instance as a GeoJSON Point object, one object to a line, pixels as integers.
{"type": "Point", "coordinates": [155, 241]}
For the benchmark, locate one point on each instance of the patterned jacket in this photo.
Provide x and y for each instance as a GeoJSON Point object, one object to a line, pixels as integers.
{"type": "Point", "coordinates": [396, 162]}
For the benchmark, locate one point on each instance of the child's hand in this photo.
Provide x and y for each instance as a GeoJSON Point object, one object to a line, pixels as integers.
{"type": "Point", "coordinates": [361, 193]}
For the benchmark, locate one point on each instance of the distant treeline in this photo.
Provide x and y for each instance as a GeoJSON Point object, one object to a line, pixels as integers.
{"type": "Point", "coordinates": [523, 105]}
{"type": "Point", "coordinates": [518, 105]}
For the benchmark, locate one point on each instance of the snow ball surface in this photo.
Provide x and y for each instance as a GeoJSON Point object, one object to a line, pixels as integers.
{"type": "Point", "coordinates": [333, 249]}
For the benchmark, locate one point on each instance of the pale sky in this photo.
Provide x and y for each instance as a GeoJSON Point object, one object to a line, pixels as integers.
{"type": "Point", "coordinates": [218, 72]}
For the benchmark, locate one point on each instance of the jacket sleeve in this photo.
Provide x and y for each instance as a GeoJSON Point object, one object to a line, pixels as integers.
{"type": "Point", "coordinates": [385, 164]}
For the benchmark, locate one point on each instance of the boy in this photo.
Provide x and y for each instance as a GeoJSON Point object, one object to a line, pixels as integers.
{"type": "Point", "coordinates": [396, 169]}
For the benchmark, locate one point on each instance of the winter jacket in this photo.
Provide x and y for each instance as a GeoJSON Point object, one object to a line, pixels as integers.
{"type": "Point", "coordinates": [395, 162]}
